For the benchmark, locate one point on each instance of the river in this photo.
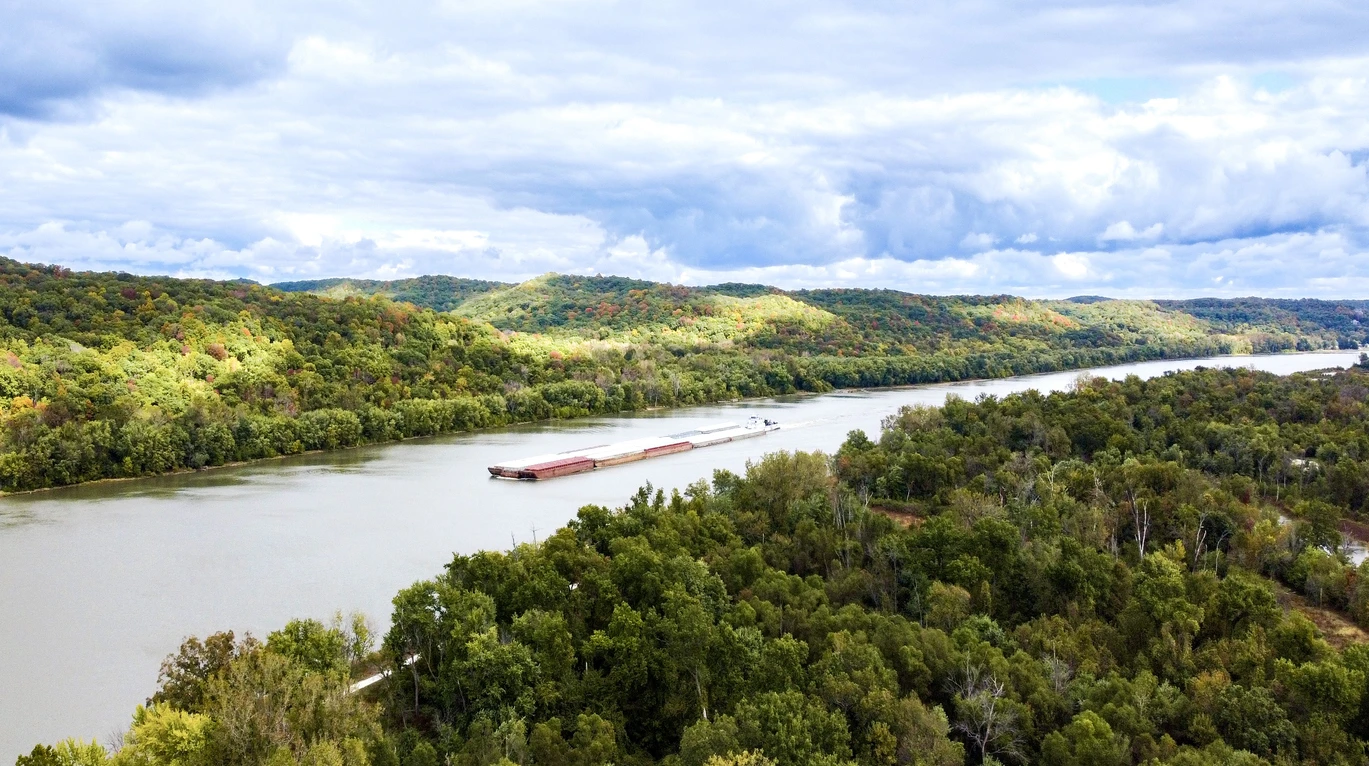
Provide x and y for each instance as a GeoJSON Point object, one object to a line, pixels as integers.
{"type": "Point", "coordinates": [100, 582]}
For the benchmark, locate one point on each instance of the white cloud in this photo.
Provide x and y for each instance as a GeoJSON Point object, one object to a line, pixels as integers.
{"type": "Point", "coordinates": [1328, 264]}
{"type": "Point", "coordinates": [978, 240]}
{"type": "Point", "coordinates": [435, 239]}
{"type": "Point", "coordinates": [689, 145]}
{"type": "Point", "coordinates": [1125, 232]}
{"type": "Point", "coordinates": [309, 229]}
{"type": "Point", "coordinates": [1071, 265]}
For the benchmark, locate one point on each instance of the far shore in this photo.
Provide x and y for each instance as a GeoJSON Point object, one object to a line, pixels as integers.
{"type": "Point", "coordinates": [857, 389]}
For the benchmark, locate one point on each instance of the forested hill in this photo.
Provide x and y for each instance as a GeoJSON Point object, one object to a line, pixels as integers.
{"type": "Point", "coordinates": [440, 293]}
{"type": "Point", "coordinates": [114, 375]}
{"type": "Point", "coordinates": [1240, 314]}
{"type": "Point", "coordinates": [859, 319]}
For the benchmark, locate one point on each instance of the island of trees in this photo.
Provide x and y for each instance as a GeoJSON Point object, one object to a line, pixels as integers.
{"type": "Point", "coordinates": [107, 375]}
{"type": "Point", "coordinates": [1133, 572]}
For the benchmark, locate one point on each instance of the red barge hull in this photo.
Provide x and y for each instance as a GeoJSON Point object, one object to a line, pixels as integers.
{"type": "Point", "coordinates": [556, 468]}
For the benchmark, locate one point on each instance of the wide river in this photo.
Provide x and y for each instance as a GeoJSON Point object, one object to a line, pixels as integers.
{"type": "Point", "coordinates": [99, 583]}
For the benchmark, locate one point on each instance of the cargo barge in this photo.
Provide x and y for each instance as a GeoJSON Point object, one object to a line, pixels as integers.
{"type": "Point", "coordinates": [605, 455]}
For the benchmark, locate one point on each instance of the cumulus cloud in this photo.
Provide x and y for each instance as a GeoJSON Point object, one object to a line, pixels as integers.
{"type": "Point", "coordinates": [60, 54]}
{"type": "Point", "coordinates": [855, 146]}
{"type": "Point", "coordinates": [1125, 232]}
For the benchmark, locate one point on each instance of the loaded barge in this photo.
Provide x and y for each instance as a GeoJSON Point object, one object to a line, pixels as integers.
{"type": "Point", "coordinates": [604, 455]}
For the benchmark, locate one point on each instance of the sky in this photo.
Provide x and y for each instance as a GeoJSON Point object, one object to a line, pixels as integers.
{"type": "Point", "coordinates": [1046, 149]}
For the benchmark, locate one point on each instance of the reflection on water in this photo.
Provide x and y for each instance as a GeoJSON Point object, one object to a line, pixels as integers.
{"type": "Point", "coordinates": [1355, 551]}
{"type": "Point", "coordinates": [102, 581]}
{"type": "Point", "coordinates": [266, 471]}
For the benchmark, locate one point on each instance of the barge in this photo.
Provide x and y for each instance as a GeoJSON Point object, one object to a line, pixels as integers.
{"type": "Point", "coordinates": [604, 455]}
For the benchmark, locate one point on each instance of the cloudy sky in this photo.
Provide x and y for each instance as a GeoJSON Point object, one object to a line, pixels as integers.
{"type": "Point", "coordinates": [1048, 149]}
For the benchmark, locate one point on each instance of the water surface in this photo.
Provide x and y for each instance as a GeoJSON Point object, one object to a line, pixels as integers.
{"type": "Point", "coordinates": [98, 583]}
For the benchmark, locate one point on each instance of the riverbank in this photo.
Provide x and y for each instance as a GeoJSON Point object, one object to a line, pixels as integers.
{"type": "Point", "coordinates": [735, 400]}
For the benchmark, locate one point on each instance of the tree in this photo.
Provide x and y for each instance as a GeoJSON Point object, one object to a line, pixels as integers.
{"type": "Point", "coordinates": [1085, 741]}
{"type": "Point", "coordinates": [423, 754]}
{"type": "Point", "coordinates": [706, 740]}
{"type": "Point", "coordinates": [984, 713]}
{"type": "Point", "coordinates": [358, 635]}
{"type": "Point", "coordinates": [311, 644]}
{"type": "Point", "coordinates": [747, 758]}
{"type": "Point", "coordinates": [164, 736]}
{"type": "Point", "coordinates": [595, 740]}
{"type": "Point", "coordinates": [1318, 522]}
{"type": "Point", "coordinates": [921, 735]}
{"type": "Point", "coordinates": [947, 605]}
{"type": "Point", "coordinates": [1168, 621]}
{"type": "Point", "coordinates": [185, 674]}
{"type": "Point", "coordinates": [1243, 602]}
{"type": "Point", "coordinates": [69, 752]}
{"type": "Point", "coordinates": [1251, 719]}
{"type": "Point", "coordinates": [792, 728]}
{"type": "Point", "coordinates": [266, 702]}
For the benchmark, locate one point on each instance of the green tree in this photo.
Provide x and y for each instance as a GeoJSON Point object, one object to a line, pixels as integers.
{"type": "Point", "coordinates": [1163, 616]}
{"type": "Point", "coordinates": [185, 674]}
{"type": "Point", "coordinates": [1085, 741]}
{"type": "Point", "coordinates": [740, 759]}
{"type": "Point", "coordinates": [68, 752]}
{"type": "Point", "coordinates": [1243, 602]}
{"type": "Point", "coordinates": [165, 736]}
{"type": "Point", "coordinates": [1251, 719]}
{"type": "Point", "coordinates": [266, 702]}
{"type": "Point", "coordinates": [311, 644]}
{"type": "Point", "coordinates": [791, 728]}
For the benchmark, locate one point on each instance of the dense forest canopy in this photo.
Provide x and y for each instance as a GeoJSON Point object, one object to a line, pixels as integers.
{"type": "Point", "coordinates": [892, 320]}
{"type": "Point", "coordinates": [1240, 314]}
{"type": "Point", "coordinates": [1120, 574]}
{"type": "Point", "coordinates": [116, 375]}
{"type": "Point", "coordinates": [438, 292]}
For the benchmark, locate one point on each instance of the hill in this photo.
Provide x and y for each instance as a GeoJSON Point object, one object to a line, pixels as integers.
{"type": "Point", "coordinates": [437, 292]}
{"type": "Point", "coordinates": [1287, 315]}
{"type": "Point", "coordinates": [861, 322]}
{"type": "Point", "coordinates": [113, 375]}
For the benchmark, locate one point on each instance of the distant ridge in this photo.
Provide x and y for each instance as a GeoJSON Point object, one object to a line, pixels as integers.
{"type": "Point", "coordinates": [879, 315]}
{"type": "Point", "coordinates": [1087, 299]}
{"type": "Point", "coordinates": [434, 291]}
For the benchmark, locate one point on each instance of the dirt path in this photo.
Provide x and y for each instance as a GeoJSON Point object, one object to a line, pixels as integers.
{"type": "Point", "coordinates": [1357, 530]}
{"type": "Point", "coordinates": [1338, 630]}
{"type": "Point", "coordinates": [902, 518]}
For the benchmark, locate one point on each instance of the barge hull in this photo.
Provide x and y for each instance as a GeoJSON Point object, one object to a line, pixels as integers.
{"type": "Point", "coordinates": [749, 434]}
{"type": "Point", "coordinates": [630, 457]}
{"type": "Point", "coordinates": [551, 470]}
